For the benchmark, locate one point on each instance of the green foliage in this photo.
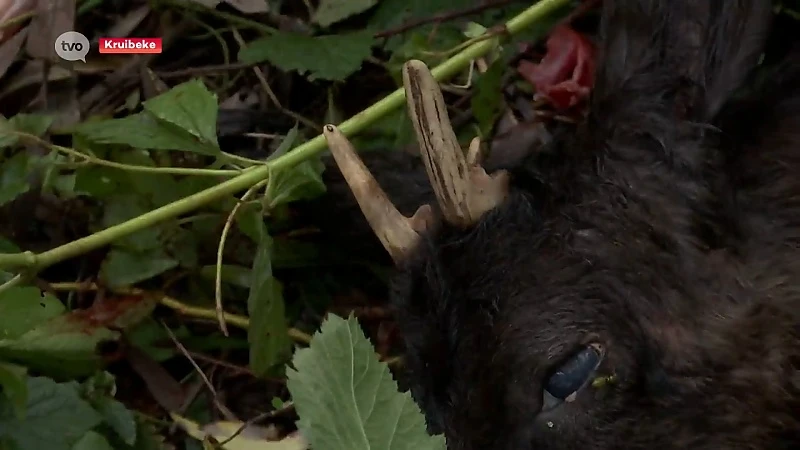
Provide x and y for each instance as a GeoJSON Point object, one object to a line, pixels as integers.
{"type": "Point", "coordinates": [331, 11]}
{"type": "Point", "coordinates": [346, 398]}
{"type": "Point", "coordinates": [71, 416]}
{"type": "Point", "coordinates": [35, 332]}
{"type": "Point", "coordinates": [487, 102]}
{"type": "Point", "coordinates": [332, 57]}
{"type": "Point", "coordinates": [184, 118]}
{"type": "Point", "coordinates": [268, 334]}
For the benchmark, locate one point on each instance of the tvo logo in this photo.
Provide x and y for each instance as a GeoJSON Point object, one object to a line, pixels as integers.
{"type": "Point", "coordinates": [72, 46]}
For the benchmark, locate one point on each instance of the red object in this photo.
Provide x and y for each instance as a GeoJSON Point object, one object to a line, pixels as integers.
{"type": "Point", "coordinates": [129, 45]}
{"type": "Point", "coordinates": [566, 73]}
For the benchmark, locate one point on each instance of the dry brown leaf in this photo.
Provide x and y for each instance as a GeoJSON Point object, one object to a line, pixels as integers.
{"type": "Point", "coordinates": [10, 49]}
{"type": "Point", "coordinates": [253, 437]}
{"type": "Point", "coordinates": [9, 10]}
{"type": "Point", "coordinates": [31, 75]}
{"type": "Point", "coordinates": [129, 22]}
{"type": "Point", "coordinates": [53, 18]}
{"type": "Point", "coordinates": [162, 386]}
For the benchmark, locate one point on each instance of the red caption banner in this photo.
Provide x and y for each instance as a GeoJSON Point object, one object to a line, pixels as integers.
{"type": "Point", "coordinates": [129, 45]}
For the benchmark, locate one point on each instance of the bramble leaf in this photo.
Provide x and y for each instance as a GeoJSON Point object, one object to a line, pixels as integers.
{"type": "Point", "coordinates": [191, 107]}
{"type": "Point", "coordinates": [331, 11]}
{"type": "Point", "coordinates": [346, 398]}
{"type": "Point", "coordinates": [333, 57]}
{"type": "Point", "coordinates": [55, 417]}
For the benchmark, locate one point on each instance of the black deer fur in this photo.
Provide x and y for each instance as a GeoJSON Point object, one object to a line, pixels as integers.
{"type": "Point", "coordinates": [666, 231]}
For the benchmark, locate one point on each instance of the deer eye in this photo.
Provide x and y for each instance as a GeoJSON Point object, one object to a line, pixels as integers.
{"type": "Point", "coordinates": [572, 375]}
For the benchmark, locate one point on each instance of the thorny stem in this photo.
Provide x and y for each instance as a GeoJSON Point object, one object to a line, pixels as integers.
{"type": "Point", "coordinates": [299, 154]}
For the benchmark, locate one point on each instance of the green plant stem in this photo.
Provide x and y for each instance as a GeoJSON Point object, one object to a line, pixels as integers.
{"type": "Point", "coordinates": [129, 167]}
{"type": "Point", "coordinates": [17, 279]}
{"type": "Point", "coordinates": [254, 175]}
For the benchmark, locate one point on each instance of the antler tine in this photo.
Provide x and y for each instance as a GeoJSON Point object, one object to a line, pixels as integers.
{"type": "Point", "coordinates": [463, 189]}
{"type": "Point", "coordinates": [398, 234]}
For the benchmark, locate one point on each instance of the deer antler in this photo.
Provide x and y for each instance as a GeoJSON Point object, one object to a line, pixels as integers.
{"type": "Point", "coordinates": [463, 189]}
{"type": "Point", "coordinates": [398, 234]}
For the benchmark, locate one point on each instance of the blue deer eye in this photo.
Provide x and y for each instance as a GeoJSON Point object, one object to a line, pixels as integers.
{"type": "Point", "coordinates": [571, 375]}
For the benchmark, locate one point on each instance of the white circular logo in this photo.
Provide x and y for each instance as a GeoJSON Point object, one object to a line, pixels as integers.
{"type": "Point", "coordinates": [72, 46]}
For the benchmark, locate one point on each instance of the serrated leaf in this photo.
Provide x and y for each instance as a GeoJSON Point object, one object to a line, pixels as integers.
{"type": "Point", "coordinates": [124, 267]}
{"type": "Point", "coordinates": [14, 177]}
{"type": "Point", "coordinates": [13, 387]}
{"type": "Point", "coordinates": [61, 346]}
{"type": "Point", "coordinates": [147, 438]}
{"type": "Point", "coordinates": [55, 417]}
{"type": "Point", "coordinates": [118, 417]}
{"type": "Point", "coordinates": [331, 11]}
{"type": "Point", "coordinates": [268, 332]}
{"type": "Point", "coordinates": [24, 308]}
{"type": "Point", "coordinates": [251, 438]}
{"type": "Point", "coordinates": [301, 182]}
{"type": "Point", "coordinates": [333, 57]}
{"type": "Point", "coordinates": [92, 440]}
{"type": "Point", "coordinates": [150, 133]}
{"type": "Point", "coordinates": [190, 106]}
{"type": "Point", "coordinates": [346, 398]}
{"type": "Point", "coordinates": [35, 124]}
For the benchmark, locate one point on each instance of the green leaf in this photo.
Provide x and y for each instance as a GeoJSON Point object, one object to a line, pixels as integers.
{"type": "Point", "coordinates": [390, 13]}
{"type": "Point", "coordinates": [333, 57]}
{"type": "Point", "coordinates": [236, 275]}
{"type": "Point", "coordinates": [55, 417]}
{"type": "Point", "coordinates": [118, 417]}
{"type": "Point", "coordinates": [35, 124]}
{"type": "Point", "coordinates": [24, 308]}
{"type": "Point", "coordinates": [63, 346]}
{"type": "Point", "coordinates": [150, 133]}
{"type": "Point", "coordinates": [191, 107]}
{"type": "Point", "coordinates": [331, 11]}
{"type": "Point", "coordinates": [148, 439]}
{"type": "Point", "coordinates": [125, 267]}
{"type": "Point", "coordinates": [98, 181]}
{"type": "Point", "coordinates": [14, 177]}
{"type": "Point", "coordinates": [487, 103]}
{"type": "Point", "coordinates": [125, 206]}
{"type": "Point", "coordinates": [7, 246]}
{"type": "Point", "coordinates": [301, 182]}
{"type": "Point", "coordinates": [346, 398]}
{"type": "Point", "coordinates": [12, 385]}
{"type": "Point", "coordinates": [268, 332]}
{"type": "Point", "coordinates": [92, 440]}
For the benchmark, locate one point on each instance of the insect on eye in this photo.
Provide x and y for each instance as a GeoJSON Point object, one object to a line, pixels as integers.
{"type": "Point", "coordinates": [572, 375]}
